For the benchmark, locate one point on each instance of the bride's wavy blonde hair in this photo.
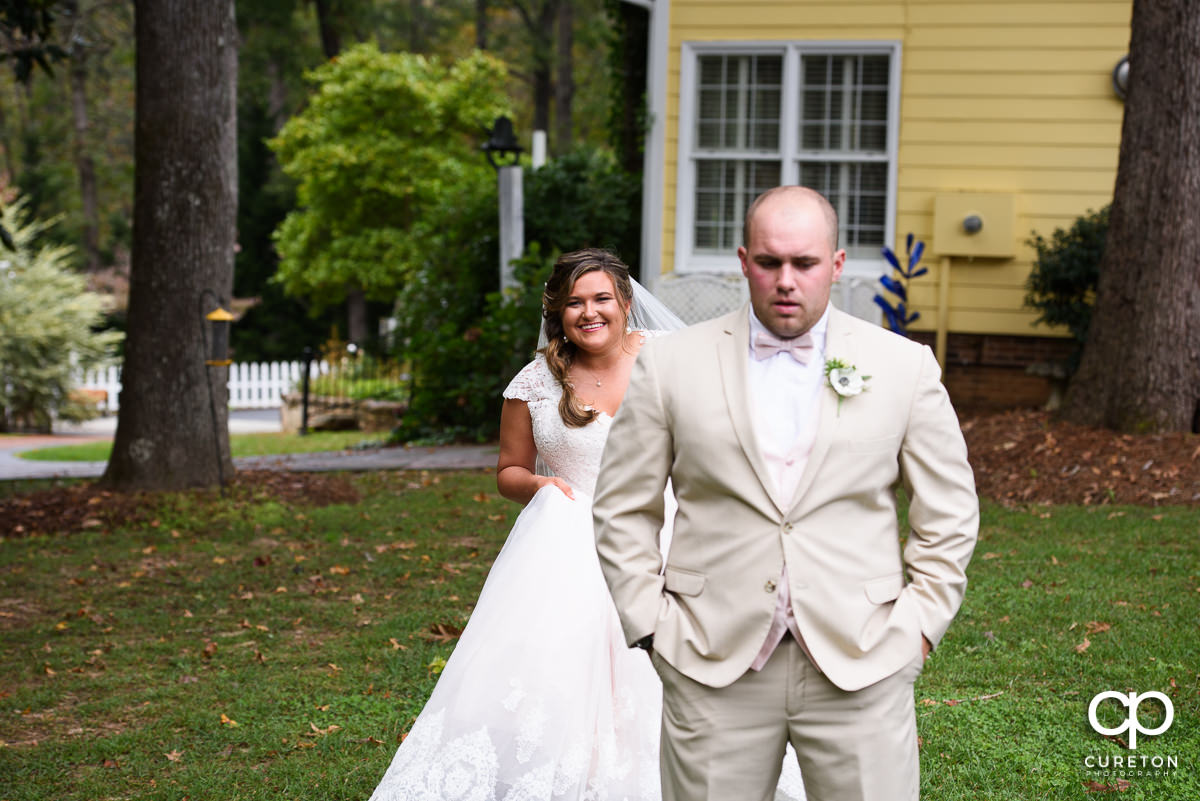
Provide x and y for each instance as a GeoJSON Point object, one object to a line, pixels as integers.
{"type": "Point", "coordinates": [560, 352]}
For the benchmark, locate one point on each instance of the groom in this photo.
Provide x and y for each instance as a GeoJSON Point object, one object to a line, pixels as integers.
{"type": "Point", "coordinates": [790, 608]}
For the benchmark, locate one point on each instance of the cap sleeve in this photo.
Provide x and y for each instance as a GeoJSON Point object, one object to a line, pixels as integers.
{"type": "Point", "coordinates": [532, 383]}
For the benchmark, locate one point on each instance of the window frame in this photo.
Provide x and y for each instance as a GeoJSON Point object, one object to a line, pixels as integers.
{"type": "Point", "coordinates": [790, 154]}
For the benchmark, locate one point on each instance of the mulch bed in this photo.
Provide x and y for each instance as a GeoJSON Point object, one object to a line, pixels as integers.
{"type": "Point", "coordinates": [1028, 457]}
{"type": "Point", "coordinates": [1020, 458]}
{"type": "Point", "coordinates": [79, 507]}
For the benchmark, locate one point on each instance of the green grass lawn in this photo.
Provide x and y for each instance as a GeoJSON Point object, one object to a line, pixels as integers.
{"type": "Point", "coordinates": [259, 651]}
{"type": "Point", "coordinates": [262, 444]}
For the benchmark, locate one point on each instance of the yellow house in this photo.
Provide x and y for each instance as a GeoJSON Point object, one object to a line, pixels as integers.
{"type": "Point", "coordinates": [970, 124]}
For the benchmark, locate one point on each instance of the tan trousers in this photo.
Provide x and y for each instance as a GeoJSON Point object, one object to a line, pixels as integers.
{"type": "Point", "coordinates": [727, 744]}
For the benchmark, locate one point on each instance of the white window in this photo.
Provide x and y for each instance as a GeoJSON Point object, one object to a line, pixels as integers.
{"type": "Point", "coordinates": [814, 113]}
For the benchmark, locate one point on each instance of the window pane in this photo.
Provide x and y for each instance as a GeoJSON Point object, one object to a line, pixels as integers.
{"type": "Point", "coordinates": [724, 190]}
{"type": "Point", "coordinates": [739, 102]}
{"type": "Point", "coordinates": [858, 191]}
{"type": "Point", "coordinates": [844, 103]}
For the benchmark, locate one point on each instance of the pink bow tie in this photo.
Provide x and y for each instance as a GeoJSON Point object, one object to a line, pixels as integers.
{"type": "Point", "coordinates": [800, 348]}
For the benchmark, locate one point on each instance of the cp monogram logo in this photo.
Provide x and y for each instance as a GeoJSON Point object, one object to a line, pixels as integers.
{"type": "Point", "coordinates": [1131, 724]}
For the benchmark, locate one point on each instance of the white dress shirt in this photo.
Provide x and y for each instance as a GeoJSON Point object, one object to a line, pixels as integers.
{"type": "Point", "coordinates": [784, 396]}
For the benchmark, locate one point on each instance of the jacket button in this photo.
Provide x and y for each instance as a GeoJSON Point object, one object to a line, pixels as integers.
{"type": "Point", "coordinates": [787, 528]}
{"type": "Point", "coordinates": [769, 586]}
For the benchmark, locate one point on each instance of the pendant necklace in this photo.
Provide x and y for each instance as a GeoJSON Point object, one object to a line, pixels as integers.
{"type": "Point", "coordinates": [595, 377]}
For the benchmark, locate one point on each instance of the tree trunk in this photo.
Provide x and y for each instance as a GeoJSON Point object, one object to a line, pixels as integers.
{"type": "Point", "coordinates": [543, 91]}
{"type": "Point", "coordinates": [83, 160]}
{"type": "Point", "coordinates": [277, 108]}
{"type": "Point", "coordinates": [416, 26]}
{"type": "Point", "coordinates": [627, 116]}
{"type": "Point", "coordinates": [564, 85]}
{"type": "Point", "coordinates": [356, 317]}
{"type": "Point", "coordinates": [185, 211]}
{"type": "Point", "coordinates": [541, 33]}
{"type": "Point", "coordinates": [481, 24]}
{"type": "Point", "coordinates": [331, 38]}
{"type": "Point", "coordinates": [1140, 370]}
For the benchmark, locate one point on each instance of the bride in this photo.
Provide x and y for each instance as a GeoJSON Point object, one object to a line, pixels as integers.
{"type": "Point", "coordinates": [541, 699]}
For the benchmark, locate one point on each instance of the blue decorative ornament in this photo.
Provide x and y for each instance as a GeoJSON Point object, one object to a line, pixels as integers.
{"type": "Point", "coordinates": [897, 316]}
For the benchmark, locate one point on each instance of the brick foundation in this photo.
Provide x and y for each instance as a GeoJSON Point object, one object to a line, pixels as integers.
{"type": "Point", "coordinates": [987, 372]}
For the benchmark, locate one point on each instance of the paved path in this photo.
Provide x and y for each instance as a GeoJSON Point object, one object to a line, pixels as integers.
{"type": "Point", "coordinates": [450, 457]}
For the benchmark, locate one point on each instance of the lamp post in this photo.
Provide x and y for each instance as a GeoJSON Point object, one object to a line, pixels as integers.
{"type": "Point", "coordinates": [502, 143]}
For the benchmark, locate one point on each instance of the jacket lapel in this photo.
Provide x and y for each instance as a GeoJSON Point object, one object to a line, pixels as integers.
{"type": "Point", "coordinates": [733, 354]}
{"type": "Point", "coordinates": [838, 344]}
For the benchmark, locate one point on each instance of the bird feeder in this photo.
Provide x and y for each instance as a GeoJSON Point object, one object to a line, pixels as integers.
{"type": "Point", "coordinates": [218, 321]}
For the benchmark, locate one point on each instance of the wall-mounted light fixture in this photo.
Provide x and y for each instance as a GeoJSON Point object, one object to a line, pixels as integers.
{"type": "Point", "coordinates": [1120, 77]}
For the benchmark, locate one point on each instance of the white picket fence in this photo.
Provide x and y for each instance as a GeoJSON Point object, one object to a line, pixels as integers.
{"type": "Point", "coordinates": [252, 385]}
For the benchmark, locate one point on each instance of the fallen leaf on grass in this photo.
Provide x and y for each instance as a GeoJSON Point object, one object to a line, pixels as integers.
{"type": "Point", "coordinates": [173, 756]}
{"type": "Point", "coordinates": [339, 570]}
{"type": "Point", "coordinates": [322, 732]}
{"type": "Point", "coordinates": [1027, 583]}
{"type": "Point", "coordinates": [1083, 646]}
{"type": "Point", "coordinates": [397, 646]}
{"type": "Point", "coordinates": [1096, 627]}
{"type": "Point", "coordinates": [442, 632]}
{"type": "Point", "coordinates": [111, 763]}
{"type": "Point", "coordinates": [228, 721]}
{"type": "Point", "coordinates": [1096, 787]}
{"type": "Point", "coordinates": [371, 741]}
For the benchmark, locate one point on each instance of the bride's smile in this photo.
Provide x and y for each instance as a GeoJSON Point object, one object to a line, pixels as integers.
{"type": "Point", "coordinates": [593, 318]}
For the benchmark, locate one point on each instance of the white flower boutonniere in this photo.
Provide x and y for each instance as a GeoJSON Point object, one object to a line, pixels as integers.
{"type": "Point", "coordinates": [844, 379]}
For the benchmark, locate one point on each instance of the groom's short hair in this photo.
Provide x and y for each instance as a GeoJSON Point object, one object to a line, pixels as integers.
{"type": "Point", "coordinates": [831, 218]}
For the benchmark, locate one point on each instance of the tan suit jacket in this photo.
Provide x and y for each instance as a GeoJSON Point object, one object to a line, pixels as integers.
{"type": "Point", "coordinates": [861, 599]}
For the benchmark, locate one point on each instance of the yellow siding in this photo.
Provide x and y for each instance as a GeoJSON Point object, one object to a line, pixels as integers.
{"type": "Point", "coordinates": [996, 96]}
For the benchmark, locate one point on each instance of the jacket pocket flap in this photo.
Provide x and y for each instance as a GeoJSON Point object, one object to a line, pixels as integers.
{"type": "Point", "coordinates": [885, 588]}
{"type": "Point", "coordinates": [684, 582]}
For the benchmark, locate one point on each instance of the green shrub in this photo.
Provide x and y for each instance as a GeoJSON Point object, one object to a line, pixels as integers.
{"type": "Point", "coordinates": [583, 200]}
{"type": "Point", "coordinates": [1062, 284]}
{"type": "Point", "coordinates": [463, 343]}
{"type": "Point", "coordinates": [461, 366]}
{"type": "Point", "coordinates": [48, 328]}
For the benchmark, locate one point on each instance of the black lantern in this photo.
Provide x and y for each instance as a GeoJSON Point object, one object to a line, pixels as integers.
{"type": "Point", "coordinates": [218, 341]}
{"type": "Point", "coordinates": [503, 141]}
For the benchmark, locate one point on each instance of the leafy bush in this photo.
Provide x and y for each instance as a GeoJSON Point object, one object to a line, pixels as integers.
{"type": "Point", "coordinates": [47, 322]}
{"type": "Point", "coordinates": [463, 341]}
{"type": "Point", "coordinates": [1062, 284]}
{"type": "Point", "coordinates": [384, 138]}
{"type": "Point", "coordinates": [583, 199]}
{"type": "Point", "coordinates": [361, 376]}
{"type": "Point", "coordinates": [460, 367]}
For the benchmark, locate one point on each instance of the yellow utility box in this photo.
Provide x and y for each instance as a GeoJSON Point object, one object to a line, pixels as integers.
{"type": "Point", "coordinates": [975, 224]}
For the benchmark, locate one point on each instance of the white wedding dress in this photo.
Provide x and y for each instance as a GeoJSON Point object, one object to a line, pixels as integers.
{"type": "Point", "coordinates": [541, 698]}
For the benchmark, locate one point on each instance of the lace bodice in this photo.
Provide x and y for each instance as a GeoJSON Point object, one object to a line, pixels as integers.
{"type": "Point", "coordinates": [573, 454]}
